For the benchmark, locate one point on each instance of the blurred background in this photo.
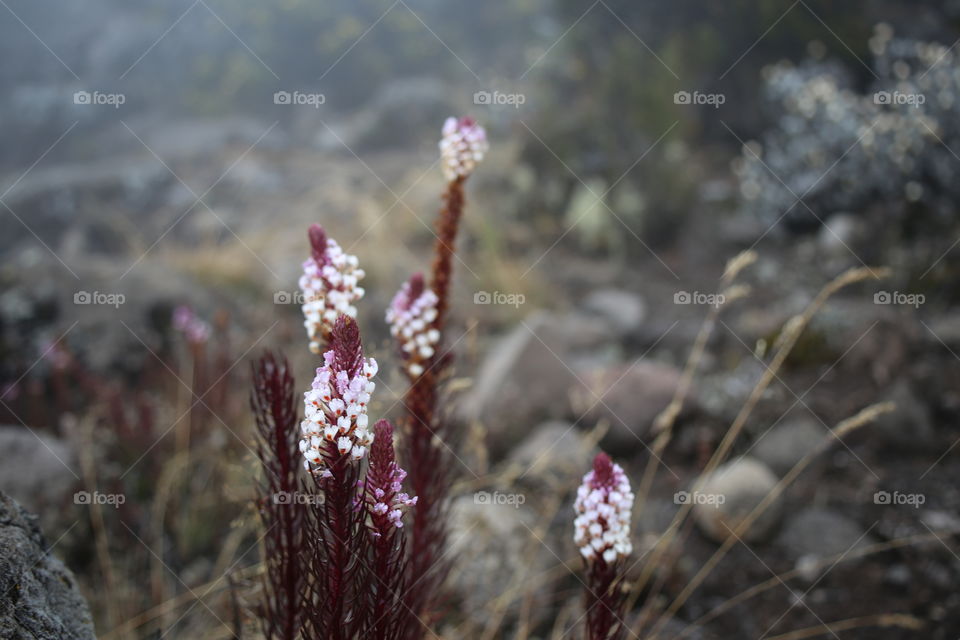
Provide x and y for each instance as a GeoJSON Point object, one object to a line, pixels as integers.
{"type": "Point", "coordinates": [163, 160]}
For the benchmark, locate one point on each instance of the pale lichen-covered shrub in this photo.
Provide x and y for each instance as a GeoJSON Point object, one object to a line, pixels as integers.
{"type": "Point", "coordinates": [843, 149]}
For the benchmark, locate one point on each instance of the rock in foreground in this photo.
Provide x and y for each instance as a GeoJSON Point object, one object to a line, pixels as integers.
{"type": "Point", "coordinates": [38, 594]}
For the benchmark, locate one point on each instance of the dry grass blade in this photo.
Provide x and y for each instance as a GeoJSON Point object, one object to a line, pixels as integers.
{"type": "Point", "coordinates": [663, 423]}
{"type": "Point", "coordinates": [780, 578]}
{"type": "Point", "coordinates": [846, 426]}
{"type": "Point", "coordinates": [900, 620]}
{"type": "Point", "coordinates": [153, 614]}
{"type": "Point", "coordinates": [788, 339]}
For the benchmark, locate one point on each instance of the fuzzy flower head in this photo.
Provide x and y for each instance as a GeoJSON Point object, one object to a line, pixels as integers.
{"type": "Point", "coordinates": [330, 286]}
{"type": "Point", "coordinates": [196, 330]}
{"type": "Point", "coordinates": [335, 415]}
{"type": "Point", "coordinates": [462, 147]}
{"type": "Point", "coordinates": [411, 316]}
{"type": "Point", "coordinates": [386, 499]}
{"type": "Point", "coordinates": [603, 505]}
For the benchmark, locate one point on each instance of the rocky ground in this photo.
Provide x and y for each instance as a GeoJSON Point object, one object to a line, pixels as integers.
{"type": "Point", "coordinates": [580, 347]}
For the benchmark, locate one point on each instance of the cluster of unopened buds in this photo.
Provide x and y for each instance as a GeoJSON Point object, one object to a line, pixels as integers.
{"type": "Point", "coordinates": [603, 506]}
{"type": "Point", "coordinates": [336, 411]}
{"type": "Point", "coordinates": [462, 147]}
{"type": "Point", "coordinates": [392, 501]}
{"type": "Point", "coordinates": [330, 286]}
{"type": "Point", "coordinates": [411, 315]}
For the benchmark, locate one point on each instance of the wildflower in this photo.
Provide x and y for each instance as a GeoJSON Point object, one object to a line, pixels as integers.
{"type": "Point", "coordinates": [411, 316]}
{"type": "Point", "coordinates": [462, 147]}
{"type": "Point", "coordinates": [196, 330]}
{"type": "Point", "coordinates": [335, 408]}
{"type": "Point", "coordinates": [386, 499]}
{"type": "Point", "coordinates": [603, 505]}
{"type": "Point", "coordinates": [330, 286]}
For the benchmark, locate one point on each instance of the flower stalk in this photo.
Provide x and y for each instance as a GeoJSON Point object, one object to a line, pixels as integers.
{"type": "Point", "coordinates": [274, 407]}
{"type": "Point", "coordinates": [417, 318]}
{"type": "Point", "coordinates": [602, 532]}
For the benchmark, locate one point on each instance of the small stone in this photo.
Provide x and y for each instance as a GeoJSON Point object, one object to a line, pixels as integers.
{"type": "Point", "coordinates": [787, 443]}
{"type": "Point", "coordinates": [840, 232]}
{"type": "Point", "coordinates": [822, 533]}
{"type": "Point", "coordinates": [728, 496]}
{"type": "Point", "coordinates": [620, 310]}
{"type": "Point", "coordinates": [555, 450]}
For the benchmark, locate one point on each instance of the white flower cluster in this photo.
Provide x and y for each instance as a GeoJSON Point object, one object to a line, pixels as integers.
{"type": "Point", "coordinates": [329, 290]}
{"type": "Point", "coordinates": [393, 502]}
{"type": "Point", "coordinates": [603, 505]}
{"type": "Point", "coordinates": [462, 147]}
{"type": "Point", "coordinates": [336, 411]}
{"type": "Point", "coordinates": [410, 317]}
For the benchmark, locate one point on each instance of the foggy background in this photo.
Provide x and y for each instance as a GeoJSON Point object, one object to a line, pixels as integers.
{"type": "Point", "coordinates": [169, 153]}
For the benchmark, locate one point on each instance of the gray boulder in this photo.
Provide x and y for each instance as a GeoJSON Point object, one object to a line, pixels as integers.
{"type": "Point", "coordinates": [728, 496]}
{"type": "Point", "coordinates": [555, 453]}
{"type": "Point", "coordinates": [37, 469]}
{"type": "Point", "coordinates": [40, 596]}
{"type": "Point", "coordinates": [628, 398]}
{"type": "Point", "coordinates": [528, 375]}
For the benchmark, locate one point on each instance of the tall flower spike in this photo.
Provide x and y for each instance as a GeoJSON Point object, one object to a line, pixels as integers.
{"type": "Point", "coordinates": [603, 505]}
{"type": "Point", "coordinates": [411, 316]}
{"type": "Point", "coordinates": [462, 147]}
{"type": "Point", "coordinates": [386, 500]}
{"type": "Point", "coordinates": [335, 408]}
{"type": "Point", "coordinates": [330, 286]}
